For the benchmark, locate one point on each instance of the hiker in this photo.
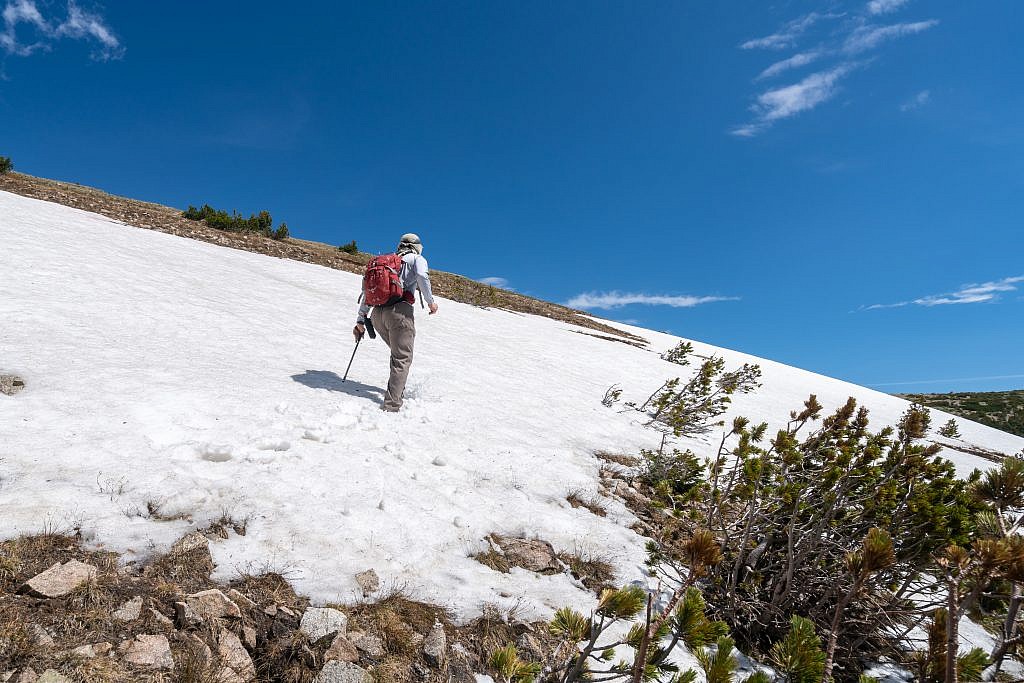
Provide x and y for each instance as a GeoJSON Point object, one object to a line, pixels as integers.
{"type": "Point", "coordinates": [392, 296]}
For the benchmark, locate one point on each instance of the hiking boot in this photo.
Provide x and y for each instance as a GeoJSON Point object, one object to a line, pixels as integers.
{"type": "Point", "coordinates": [389, 409]}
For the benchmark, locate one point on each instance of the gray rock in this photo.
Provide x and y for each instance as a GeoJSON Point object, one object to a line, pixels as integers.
{"type": "Point", "coordinates": [369, 582]}
{"type": "Point", "coordinates": [199, 651]}
{"type": "Point", "coordinates": [249, 637]}
{"type": "Point", "coordinates": [189, 542]}
{"type": "Point", "coordinates": [319, 622]}
{"type": "Point", "coordinates": [160, 619]}
{"type": "Point", "coordinates": [93, 650]}
{"type": "Point", "coordinates": [26, 675]}
{"type": "Point", "coordinates": [185, 616]}
{"type": "Point", "coordinates": [343, 672]}
{"type": "Point", "coordinates": [130, 610]}
{"type": "Point", "coordinates": [213, 604]}
{"type": "Point", "coordinates": [10, 385]}
{"type": "Point", "coordinates": [371, 645]}
{"type": "Point", "coordinates": [60, 579]}
{"type": "Point", "coordinates": [149, 651]}
{"type": "Point", "coordinates": [341, 650]}
{"type": "Point", "coordinates": [530, 554]}
{"type": "Point", "coordinates": [435, 645]}
{"type": "Point", "coordinates": [240, 600]}
{"type": "Point", "coordinates": [234, 655]}
{"type": "Point", "coordinates": [40, 635]}
{"type": "Point", "coordinates": [52, 676]}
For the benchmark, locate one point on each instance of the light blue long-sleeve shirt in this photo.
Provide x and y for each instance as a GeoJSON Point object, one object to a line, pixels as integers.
{"type": "Point", "coordinates": [414, 275]}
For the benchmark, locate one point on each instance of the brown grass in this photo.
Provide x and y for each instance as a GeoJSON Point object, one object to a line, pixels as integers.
{"type": "Point", "coordinates": [618, 458]}
{"type": "Point", "coordinates": [577, 499]}
{"type": "Point", "coordinates": [590, 569]}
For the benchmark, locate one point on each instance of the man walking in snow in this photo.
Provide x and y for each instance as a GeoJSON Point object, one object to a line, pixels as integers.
{"type": "Point", "coordinates": [394, 321]}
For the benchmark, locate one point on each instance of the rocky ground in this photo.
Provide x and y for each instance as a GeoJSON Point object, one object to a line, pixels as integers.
{"type": "Point", "coordinates": [68, 614]}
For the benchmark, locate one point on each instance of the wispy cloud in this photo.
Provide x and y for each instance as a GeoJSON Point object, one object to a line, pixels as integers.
{"type": "Point", "coordinates": [869, 37]}
{"type": "Point", "coordinates": [885, 6]}
{"type": "Point", "coordinates": [79, 24]}
{"type": "Point", "coordinates": [795, 62]}
{"type": "Point", "coordinates": [967, 294]}
{"type": "Point", "coordinates": [495, 281]}
{"type": "Point", "coordinates": [788, 34]}
{"type": "Point", "coordinates": [609, 300]}
{"type": "Point", "coordinates": [845, 47]}
{"type": "Point", "coordinates": [917, 101]}
{"type": "Point", "coordinates": [782, 103]}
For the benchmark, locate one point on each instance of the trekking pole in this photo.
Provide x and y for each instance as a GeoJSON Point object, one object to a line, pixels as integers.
{"type": "Point", "coordinates": [351, 359]}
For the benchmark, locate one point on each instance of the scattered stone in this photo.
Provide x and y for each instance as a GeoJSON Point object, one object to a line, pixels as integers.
{"type": "Point", "coordinates": [287, 611]}
{"type": "Point", "coordinates": [40, 635]}
{"type": "Point", "coordinates": [226, 675]}
{"type": "Point", "coordinates": [26, 675]}
{"type": "Point", "coordinates": [369, 582]}
{"type": "Point", "coordinates": [59, 580]}
{"type": "Point", "coordinates": [199, 650]}
{"type": "Point", "coordinates": [52, 676]}
{"type": "Point", "coordinates": [341, 650]}
{"type": "Point", "coordinates": [530, 554]}
{"type": "Point", "coordinates": [186, 616]}
{"type": "Point", "coordinates": [149, 651]}
{"type": "Point", "coordinates": [160, 619]}
{"type": "Point", "coordinates": [435, 645]}
{"type": "Point", "coordinates": [240, 600]}
{"type": "Point", "coordinates": [130, 610]}
{"type": "Point", "coordinates": [343, 672]}
{"type": "Point", "coordinates": [11, 384]}
{"type": "Point", "coordinates": [93, 650]}
{"type": "Point", "coordinates": [249, 637]}
{"type": "Point", "coordinates": [189, 542]}
{"type": "Point", "coordinates": [213, 604]}
{"type": "Point", "coordinates": [234, 655]}
{"type": "Point", "coordinates": [270, 611]}
{"type": "Point", "coordinates": [371, 645]}
{"type": "Point", "coordinates": [319, 622]}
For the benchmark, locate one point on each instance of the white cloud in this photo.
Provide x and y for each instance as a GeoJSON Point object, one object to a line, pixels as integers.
{"type": "Point", "coordinates": [794, 62]}
{"type": "Point", "coordinates": [788, 34]}
{"type": "Point", "coordinates": [495, 281]}
{"type": "Point", "coordinates": [968, 294]}
{"type": "Point", "coordinates": [608, 300]}
{"type": "Point", "coordinates": [79, 25]}
{"type": "Point", "coordinates": [919, 100]}
{"type": "Point", "coordinates": [782, 103]}
{"type": "Point", "coordinates": [868, 37]}
{"type": "Point", "coordinates": [885, 6]}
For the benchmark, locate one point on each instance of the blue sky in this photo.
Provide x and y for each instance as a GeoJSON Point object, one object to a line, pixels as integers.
{"type": "Point", "coordinates": [837, 186]}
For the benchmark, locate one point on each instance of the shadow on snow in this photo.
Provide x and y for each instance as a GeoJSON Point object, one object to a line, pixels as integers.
{"type": "Point", "coordinates": [330, 380]}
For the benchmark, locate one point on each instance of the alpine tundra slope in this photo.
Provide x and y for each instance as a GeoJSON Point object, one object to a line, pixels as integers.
{"type": "Point", "coordinates": [169, 382]}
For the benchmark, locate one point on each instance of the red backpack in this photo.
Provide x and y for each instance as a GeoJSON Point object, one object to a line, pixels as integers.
{"type": "Point", "coordinates": [382, 285]}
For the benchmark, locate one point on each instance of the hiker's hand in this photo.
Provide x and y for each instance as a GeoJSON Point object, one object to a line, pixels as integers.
{"type": "Point", "coordinates": [433, 309]}
{"type": "Point", "coordinates": [358, 331]}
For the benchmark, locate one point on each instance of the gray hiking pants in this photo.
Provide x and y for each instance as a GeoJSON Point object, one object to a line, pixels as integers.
{"type": "Point", "coordinates": [396, 326]}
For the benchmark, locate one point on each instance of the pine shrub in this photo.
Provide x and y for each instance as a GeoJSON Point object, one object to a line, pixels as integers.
{"type": "Point", "coordinates": [260, 223]}
{"type": "Point", "coordinates": [6, 165]}
{"type": "Point", "coordinates": [349, 248]}
{"type": "Point", "coordinates": [950, 430]}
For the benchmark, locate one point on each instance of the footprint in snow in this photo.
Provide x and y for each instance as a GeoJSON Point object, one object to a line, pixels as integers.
{"type": "Point", "coordinates": [273, 445]}
{"type": "Point", "coordinates": [214, 452]}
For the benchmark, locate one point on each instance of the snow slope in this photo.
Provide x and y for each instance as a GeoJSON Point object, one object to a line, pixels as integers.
{"type": "Point", "coordinates": [198, 380]}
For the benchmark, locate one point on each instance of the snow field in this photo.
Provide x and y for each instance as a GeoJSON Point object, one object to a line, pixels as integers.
{"type": "Point", "coordinates": [175, 376]}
